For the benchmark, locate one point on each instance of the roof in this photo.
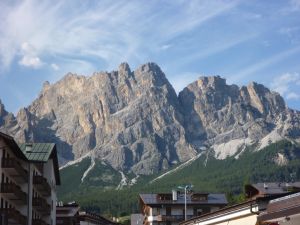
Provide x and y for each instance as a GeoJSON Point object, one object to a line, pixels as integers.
{"type": "Point", "coordinates": [220, 212]}
{"type": "Point", "coordinates": [280, 208]}
{"type": "Point", "coordinates": [39, 152]}
{"type": "Point", "coordinates": [214, 199]}
{"type": "Point", "coordinates": [13, 145]}
{"type": "Point", "coordinates": [42, 152]}
{"type": "Point", "coordinates": [264, 189]}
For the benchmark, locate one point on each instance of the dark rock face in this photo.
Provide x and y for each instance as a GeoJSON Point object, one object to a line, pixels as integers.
{"type": "Point", "coordinates": [134, 121]}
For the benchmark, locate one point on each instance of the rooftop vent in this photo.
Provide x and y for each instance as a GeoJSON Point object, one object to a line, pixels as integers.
{"type": "Point", "coordinates": [265, 186]}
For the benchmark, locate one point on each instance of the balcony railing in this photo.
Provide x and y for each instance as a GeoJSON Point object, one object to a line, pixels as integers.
{"type": "Point", "coordinates": [41, 206]}
{"type": "Point", "coordinates": [13, 192]}
{"type": "Point", "coordinates": [39, 222]}
{"type": "Point", "coordinates": [13, 168]}
{"type": "Point", "coordinates": [13, 216]}
{"type": "Point", "coordinates": [42, 185]}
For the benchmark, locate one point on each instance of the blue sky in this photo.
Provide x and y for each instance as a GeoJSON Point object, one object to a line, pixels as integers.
{"type": "Point", "coordinates": [242, 41]}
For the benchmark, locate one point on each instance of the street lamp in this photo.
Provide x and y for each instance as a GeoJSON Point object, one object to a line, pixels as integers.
{"type": "Point", "coordinates": [186, 187]}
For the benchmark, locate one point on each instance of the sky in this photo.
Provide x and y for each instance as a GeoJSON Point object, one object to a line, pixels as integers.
{"type": "Point", "coordinates": [240, 40]}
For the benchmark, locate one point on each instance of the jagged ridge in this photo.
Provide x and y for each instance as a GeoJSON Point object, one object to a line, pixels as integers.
{"type": "Point", "coordinates": [134, 121]}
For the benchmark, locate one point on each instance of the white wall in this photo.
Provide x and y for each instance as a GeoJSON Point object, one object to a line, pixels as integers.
{"type": "Point", "coordinates": [50, 175]}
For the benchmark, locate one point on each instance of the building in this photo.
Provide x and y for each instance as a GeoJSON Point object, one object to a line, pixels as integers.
{"type": "Point", "coordinates": [70, 214]}
{"type": "Point", "coordinates": [260, 208]}
{"type": "Point", "coordinates": [29, 176]}
{"type": "Point", "coordinates": [284, 210]}
{"type": "Point", "coordinates": [169, 208]}
{"type": "Point", "coordinates": [254, 191]}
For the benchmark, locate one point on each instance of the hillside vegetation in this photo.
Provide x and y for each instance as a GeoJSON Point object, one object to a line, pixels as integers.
{"type": "Point", "coordinates": [98, 193]}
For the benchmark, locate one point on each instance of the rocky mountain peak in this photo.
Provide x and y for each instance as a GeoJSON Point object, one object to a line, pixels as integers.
{"type": "Point", "coordinates": [135, 122]}
{"type": "Point", "coordinates": [124, 68]}
{"type": "Point", "coordinates": [264, 100]}
{"type": "Point", "coordinates": [214, 82]}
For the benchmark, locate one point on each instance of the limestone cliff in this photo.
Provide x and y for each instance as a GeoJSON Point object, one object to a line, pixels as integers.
{"type": "Point", "coordinates": [228, 118]}
{"type": "Point", "coordinates": [129, 119]}
{"type": "Point", "coordinates": [135, 122]}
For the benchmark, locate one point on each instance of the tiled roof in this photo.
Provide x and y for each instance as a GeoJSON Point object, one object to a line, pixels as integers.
{"type": "Point", "coordinates": [152, 199]}
{"type": "Point", "coordinates": [37, 151]}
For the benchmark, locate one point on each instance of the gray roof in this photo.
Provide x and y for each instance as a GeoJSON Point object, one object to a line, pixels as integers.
{"type": "Point", "coordinates": [275, 188]}
{"type": "Point", "coordinates": [213, 199]}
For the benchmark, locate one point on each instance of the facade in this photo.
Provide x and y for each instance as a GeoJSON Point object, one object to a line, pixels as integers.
{"type": "Point", "coordinates": [70, 214]}
{"type": "Point", "coordinates": [267, 204]}
{"type": "Point", "coordinates": [169, 208]}
{"type": "Point", "coordinates": [29, 176]}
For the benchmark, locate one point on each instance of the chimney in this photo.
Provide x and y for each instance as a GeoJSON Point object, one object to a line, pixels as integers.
{"type": "Point", "coordinates": [174, 195]}
{"type": "Point", "coordinates": [28, 148]}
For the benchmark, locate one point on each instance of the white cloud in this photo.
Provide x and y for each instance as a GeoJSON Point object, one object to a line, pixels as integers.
{"type": "Point", "coordinates": [55, 66]}
{"type": "Point", "coordinates": [286, 84]}
{"type": "Point", "coordinates": [165, 47]}
{"type": "Point", "coordinates": [31, 61]}
{"type": "Point", "coordinates": [29, 57]}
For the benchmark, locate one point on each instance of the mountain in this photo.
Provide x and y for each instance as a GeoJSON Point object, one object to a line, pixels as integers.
{"type": "Point", "coordinates": [130, 120]}
{"type": "Point", "coordinates": [133, 122]}
{"type": "Point", "coordinates": [278, 162]}
{"type": "Point", "coordinates": [228, 118]}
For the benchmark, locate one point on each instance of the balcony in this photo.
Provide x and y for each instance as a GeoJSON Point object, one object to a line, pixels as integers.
{"type": "Point", "coordinates": [42, 185]}
{"type": "Point", "coordinates": [14, 193]}
{"type": "Point", "coordinates": [12, 167]}
{"type": "Point", "coordinates": [13, 216]}
{"type": "Point", "coordinates": [40, 205]}
{"type": "Point", "coordinates": [38, 222]}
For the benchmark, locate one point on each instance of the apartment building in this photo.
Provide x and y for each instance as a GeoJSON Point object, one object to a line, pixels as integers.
{"type": "Point", "coordinates": [29, 176]}
{"type": "Point", "coordinates": [169, 208]}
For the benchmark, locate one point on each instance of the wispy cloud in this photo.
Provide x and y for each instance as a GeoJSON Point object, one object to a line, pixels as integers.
{"type": "Point", "coordinates": [215, 48]}
{"type": "Point", "coordinates": [293, 96]}
{"type": "Point", "coordinates": [108, 31]}
{"type": "Point", "coordinates": [287, 85]}
{"type": "Point", "coordinates": [295, 4]}
{"type": "Point", "coordinates": [251, 70]}
{"type": "Point", "coordinates": [55, 66]}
